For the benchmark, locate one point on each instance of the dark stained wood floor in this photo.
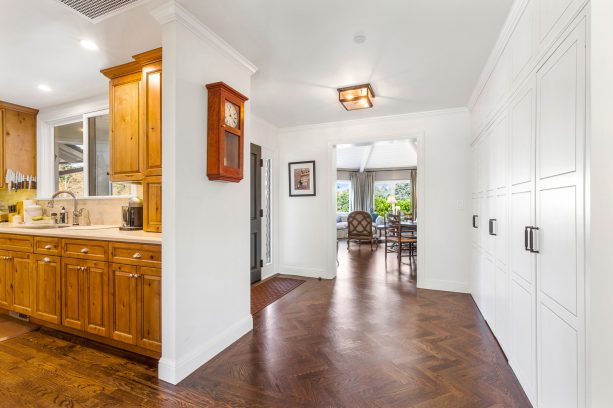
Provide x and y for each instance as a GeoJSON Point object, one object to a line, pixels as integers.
{"type": "Point", "coordinates": [367, 339]}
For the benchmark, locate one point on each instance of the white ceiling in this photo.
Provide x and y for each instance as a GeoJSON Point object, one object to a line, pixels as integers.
{"type": "Point", "coordinates": [39, 44]}
{"type": "Point", "coordinates": [419, 55]}
{"type": "Point", "coordinates": [379, 155]}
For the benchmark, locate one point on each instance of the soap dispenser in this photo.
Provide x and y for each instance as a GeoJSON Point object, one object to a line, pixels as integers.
{"type": "Point", "coordinates": [63, 215]}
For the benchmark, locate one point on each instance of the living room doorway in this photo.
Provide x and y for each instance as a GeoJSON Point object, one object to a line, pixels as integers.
{"type": "Point", "coordinates": [376, 206]}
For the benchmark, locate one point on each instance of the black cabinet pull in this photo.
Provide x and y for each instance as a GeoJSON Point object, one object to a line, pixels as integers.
{"type": "Point", "coordinates": [475, 221]}
{"type": "Point", "coordinates": [492, 220]}
{"type": "Point", "coordinates": [526, 234]}
{"type": "Point", "coordinates": [532, 229]}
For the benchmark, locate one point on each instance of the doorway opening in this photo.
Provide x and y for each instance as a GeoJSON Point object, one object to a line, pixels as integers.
{"type": "Point", "coordinates": [376, 207]}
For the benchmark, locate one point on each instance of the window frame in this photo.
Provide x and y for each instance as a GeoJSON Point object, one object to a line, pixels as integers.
{"type": "Point", "coordinates": [46, 179]}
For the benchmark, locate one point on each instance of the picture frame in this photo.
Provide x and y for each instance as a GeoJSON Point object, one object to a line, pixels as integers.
{"type": "Point", "coordinates": [301, 177]}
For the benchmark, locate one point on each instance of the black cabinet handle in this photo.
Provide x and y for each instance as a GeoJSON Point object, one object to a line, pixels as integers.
{"type": "Point", "coordinates": [526, 234]}
{"type": "Point", "coordinates": [491, 226]}
{"type": "Point", "coordinates": [532, 229]}
{"type": "Point", "coordinates": [475, 221]}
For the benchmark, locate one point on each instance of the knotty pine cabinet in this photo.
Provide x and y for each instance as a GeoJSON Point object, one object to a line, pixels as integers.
{"type": "Point", "coordinates": [135, 101]}
{"type": "Point", "coordinates": [105, 291]}
{"type": "Point", "coordinates": [17, 140]}
{"type": "Point", "coordinates": [136, 309]}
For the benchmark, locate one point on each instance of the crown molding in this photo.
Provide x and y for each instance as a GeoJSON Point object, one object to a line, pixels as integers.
{"type": "Point", "coordinates": [173, 11]}
{"type": "Point", "coordinates": [501, 43]}
{"type": "Point", "coordinates": [377, 119]}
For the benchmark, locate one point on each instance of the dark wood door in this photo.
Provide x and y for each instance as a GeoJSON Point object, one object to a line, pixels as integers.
{"type": "Point", "coordinates": [255, 167]}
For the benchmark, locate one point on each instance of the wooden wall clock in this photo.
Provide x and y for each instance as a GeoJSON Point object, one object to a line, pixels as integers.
{"type": "Point", "coordinates": [226, 133]}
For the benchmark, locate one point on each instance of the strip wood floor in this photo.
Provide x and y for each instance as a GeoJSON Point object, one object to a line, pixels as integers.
{"type": "Point", "coordinates": [367, 339]}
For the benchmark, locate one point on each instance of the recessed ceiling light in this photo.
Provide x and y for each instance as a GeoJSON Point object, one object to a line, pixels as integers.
{"type": "Point", "coordinates": [359, 38]}
{"type": "Point", "coordinates": [44, 88]}
{"type": "Point", "coordinates": [89, 45]}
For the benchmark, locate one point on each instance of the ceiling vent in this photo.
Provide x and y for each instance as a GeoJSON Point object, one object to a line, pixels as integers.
{"type": "Point", "coordinates": [98, 10]}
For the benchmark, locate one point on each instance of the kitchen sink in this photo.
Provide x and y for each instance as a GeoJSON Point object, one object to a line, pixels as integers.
{"type": "Point", "coordinates": [40, 226]}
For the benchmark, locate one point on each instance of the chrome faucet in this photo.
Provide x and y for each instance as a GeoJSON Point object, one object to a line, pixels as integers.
{"type": "Point", "coordinates": [76, 213]}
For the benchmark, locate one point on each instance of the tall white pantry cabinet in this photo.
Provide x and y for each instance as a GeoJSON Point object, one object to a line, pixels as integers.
{"type": "Point", "coordinates": [528, 270]}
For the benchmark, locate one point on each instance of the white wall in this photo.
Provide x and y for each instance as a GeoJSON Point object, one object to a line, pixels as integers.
{"type": "Point", "coordinates": [600, 203]}
{"type": "Point", "coordinates": [205, 277]}
{"type": "Point", "coordinates": [307, 236]}
{"type": "Point", "coordinates": [266, 135]}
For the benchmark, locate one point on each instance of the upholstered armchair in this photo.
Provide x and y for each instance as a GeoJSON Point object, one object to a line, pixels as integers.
{"type": "Point", "coordinates": [359, 228]}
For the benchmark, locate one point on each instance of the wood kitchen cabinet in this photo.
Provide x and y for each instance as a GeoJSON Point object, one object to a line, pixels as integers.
{"type": "Point", "coordinates": [17, 139]}
{"type": "Point", "coordinates": [125, 132]}
{"type": "Point", "coordinates": [16, 281]}
{"type": "Point", "coordinates": [106, 291]}
{"type": "Point", "coordinates": [135, 93]}
{"type": "Point", "coordinates": [85, 295]}
{"type": "Point", "coordinates": [152, 204]}
{"type": "Point", "coordinates": [47, 289]}
{"type": "Point", "coordinates": [136, 310]}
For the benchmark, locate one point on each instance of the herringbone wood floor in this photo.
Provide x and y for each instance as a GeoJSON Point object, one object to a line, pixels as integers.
{"type": "Point", "coordinates": [367, 339]}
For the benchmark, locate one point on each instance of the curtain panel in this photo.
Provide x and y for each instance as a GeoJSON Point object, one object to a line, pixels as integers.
{"type": "Point", "coordinates": [362, 191]}
{"type": "Point", "coordinates": [413, 175]}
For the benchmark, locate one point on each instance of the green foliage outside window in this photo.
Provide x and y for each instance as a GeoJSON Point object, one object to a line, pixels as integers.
{"type": "Point", "coordinates": [342, 201]}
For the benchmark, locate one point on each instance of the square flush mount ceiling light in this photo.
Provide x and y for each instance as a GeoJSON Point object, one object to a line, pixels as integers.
{"type": "Point", "coordinates": [356, 97]}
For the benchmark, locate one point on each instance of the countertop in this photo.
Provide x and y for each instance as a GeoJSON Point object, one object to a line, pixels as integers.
{"type": "Point", "coordinates": [97, 232]}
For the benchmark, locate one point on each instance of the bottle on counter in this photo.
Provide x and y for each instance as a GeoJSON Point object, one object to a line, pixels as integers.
{"type": "Point", "coordinates": [62, 216]}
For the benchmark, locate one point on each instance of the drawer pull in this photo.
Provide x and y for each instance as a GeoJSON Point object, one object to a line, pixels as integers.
{"type": "Point", "coordinates": [48, 246]}
{"type": "Point", "coordinates": [136, 275]}
{"type": "Point", "coordinates": [137, 255]}
{"type": "Point", "coordinates": [85, 251]}
{"type": "Point", "coordinates": [46, 260]}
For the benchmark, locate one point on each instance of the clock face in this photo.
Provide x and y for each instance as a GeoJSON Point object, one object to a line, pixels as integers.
{"type": "Point", "coordinates": [232, 115]}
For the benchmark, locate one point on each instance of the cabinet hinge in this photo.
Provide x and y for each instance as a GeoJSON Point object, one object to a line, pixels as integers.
{"type": "Point", "coordinates": [261, 162]}
{"type": "Point", "coordinates": [261, 213]}
{"type": "Point", "coordinates": [261, 263]}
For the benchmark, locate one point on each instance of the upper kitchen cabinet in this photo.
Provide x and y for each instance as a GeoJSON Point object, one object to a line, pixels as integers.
{"type": "Point", "coordinates": [18, 141]}
{"type": "Point", "coordinates": [135, 106]}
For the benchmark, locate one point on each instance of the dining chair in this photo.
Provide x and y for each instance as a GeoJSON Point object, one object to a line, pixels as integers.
{"type": "Point", "coordinates": [398, 240]}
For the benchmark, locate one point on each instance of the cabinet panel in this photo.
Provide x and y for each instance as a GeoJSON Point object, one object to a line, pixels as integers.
{"type": "Point", "coordinates": [14, 242]}
{"type": "Point", "coordinates": [47, 288]}
{"type": "Point", "coordinates": [96, 291]}
{"type": "Point", "coordinates": [152, 117]}
{"type": "Point", "coordinates": [123, 309]}
{"type": "Point", "coordinates": [560, 192]}
{"type": "Point", "coordinates": [23, 282]}
{"type": "Point", "coordinates": [85, 249]}
{"type": "Point", "coordinates": [73, 303]}
{"type": "Point", "coordinates": [125, 157]}
{"type": "Point", "coordinates": [523, 337]}
{"type": "Point", "coordinates": [558, 369]}
{"type": "Point", "coordinates": [19, 142]}
{"type": "Point", "coordinates": [152, 211]}
{"type": "Point", "coordinates": [136, 254]}
{"type": "Point", "coordinates": [522, 137]}
{"type": "Point", "coordinates": [6, 284]}
{"type": "Point", "coordinates": [47, 245]}
{"type": "Point", "coordinates": [149, 301]}
{"type": "Point", "coordinates": [558, 99]}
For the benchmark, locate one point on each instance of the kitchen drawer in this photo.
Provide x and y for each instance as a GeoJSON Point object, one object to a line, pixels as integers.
{"type": "Point", "coordinates": [11, 242]}
{"type": "Point", "coordinates": [136, 254]}
{"type": "Point", "coordinates": [85, 249]}
{"type": "Point", "coordinates": [47, 245]}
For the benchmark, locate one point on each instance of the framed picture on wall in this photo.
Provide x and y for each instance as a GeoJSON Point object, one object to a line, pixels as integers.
{"type": "Point", "coordinates": [302, 178]}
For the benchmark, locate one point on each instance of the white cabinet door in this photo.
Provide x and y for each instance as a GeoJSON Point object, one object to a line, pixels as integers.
{"type": "Point", "coordinates": [521, 263]}
{"type": "Point", "coordinates": [561, 102]}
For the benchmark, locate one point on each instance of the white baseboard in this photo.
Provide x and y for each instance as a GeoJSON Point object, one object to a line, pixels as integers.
{"type": "Point", "coordinates": [448, 286]}
{"type": "Point", "coordinates": [306, 272]}
{"type": "Point", "coordinates": [174, 372]}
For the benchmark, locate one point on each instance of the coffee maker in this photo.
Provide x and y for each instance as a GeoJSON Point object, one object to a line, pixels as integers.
{"type": "Point", "coordinates": [132, 215]}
